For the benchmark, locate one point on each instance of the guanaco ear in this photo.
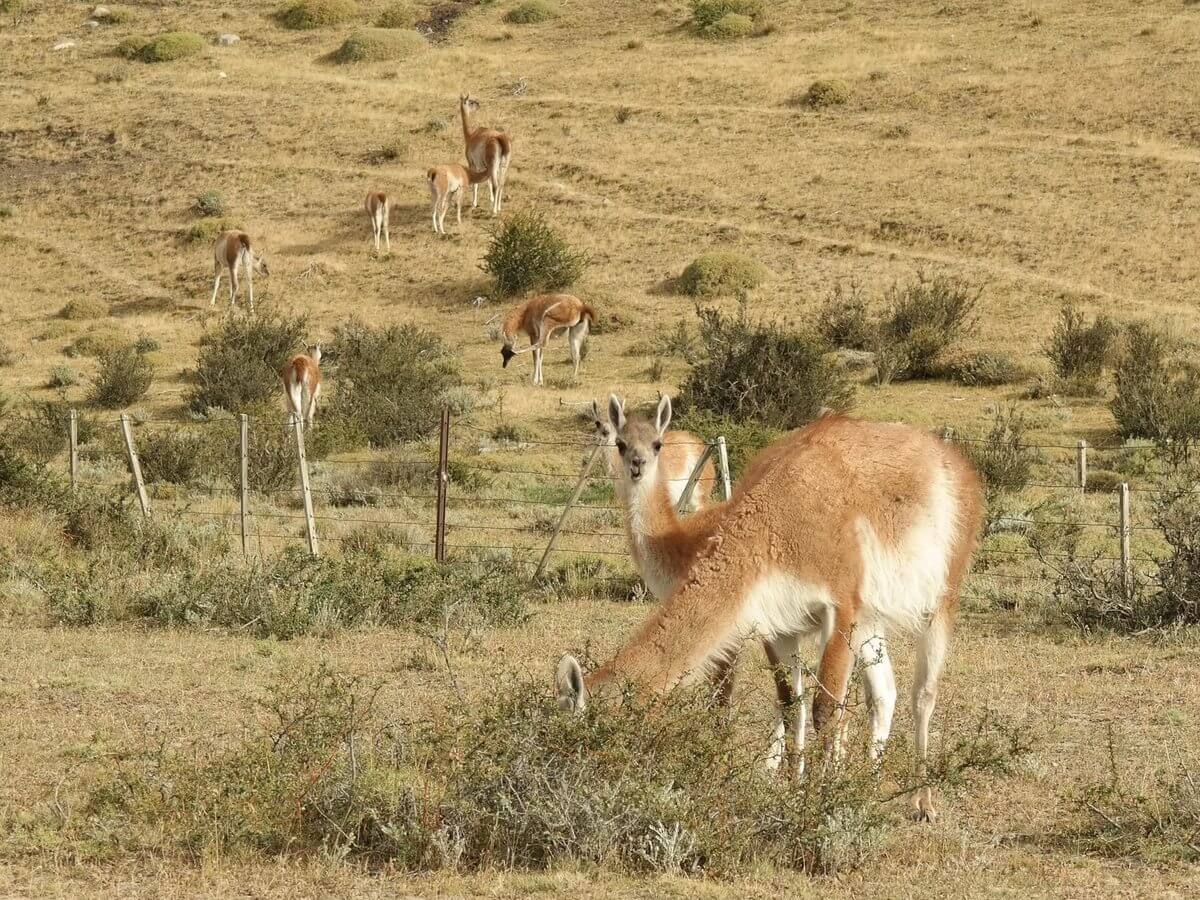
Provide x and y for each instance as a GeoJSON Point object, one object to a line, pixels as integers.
{"type": "Point", "coordinates": [662, 418]}
{"type": "Point", "coordinates": [616, 411]}
{"type": "Point", "coordinates": [568, 684]}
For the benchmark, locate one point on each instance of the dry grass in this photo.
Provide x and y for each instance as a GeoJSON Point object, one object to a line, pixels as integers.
{"type": "Point", "coordinates": [1051, 162]}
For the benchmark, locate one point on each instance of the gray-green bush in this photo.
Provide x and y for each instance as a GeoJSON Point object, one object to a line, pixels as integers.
{"type": "Point", "coordinates": [525, 253]}
{"type": "Point", "coordinates": [1080, 351]}
{"type": "Point", "coordinates": [923, 321]}
{"type": "Point", "coordinates": [721, 272]}
{"type": "Point", "coordinates": [239, 363]}
{"type": "Point", "coordinates": [1157, 391]}
{"type": "Point", "coordinates": [124, 377]}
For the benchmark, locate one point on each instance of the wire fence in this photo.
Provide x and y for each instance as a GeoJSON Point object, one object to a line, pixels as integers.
{"type": "Point", "coordinates": [445, 498]}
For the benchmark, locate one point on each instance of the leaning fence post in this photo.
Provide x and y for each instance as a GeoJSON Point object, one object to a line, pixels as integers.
{"type": "Point", "coordinates": [723, 464]}
{"type": "Point", "coordinates": [305, 486]}
{"type": "Point", "coordinates": [1126, 559]}
{"type": "Point", "coordinates": [245, 469]}
{"type": "Point", "coordinates": [686, 497]}
{"type": "Point", "coordinates": [135, 467]}
{"type": "Point", "coordinates": [74, 437]}
{"type": "Point", "coordinates": [562, 520]}
{"type": "Point", "coordinates": [443, 486]}
{"type": "Point", "coordinates": [1081, 465]}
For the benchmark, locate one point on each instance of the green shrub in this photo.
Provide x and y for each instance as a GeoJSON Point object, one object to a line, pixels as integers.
{"type": "Point", "coordinates": [184, 457]}
{"type": "Point", "coordinates": [985, 369]}
{"type": "Point", "coordinates": [307, 14]}
{"type": "Point", "coordinates": [211, 203]}
{"type": "Point", "coordinates": [525, 253]}
{"type": "Point", "coordinates": [708, 13]}
{"type": "Point", "coordinates": [925, 319]}
{"type": "Point", "coordinates": [825, 92]}
{"type": "Point", "coordinates": [84, 308]}
{"type": "Point", "coordinates": [743, 440]}
{"type": "Point", "coordinates": [397, 14]}
{"type": "Point", "coordinates": [730, 27]}
{"type": "Point", "coordinates": [392, 381]}
{"type": "Point", "coordinates": [845, 320]}
{"type": "Point", "coordinates": [124, 377]}
{"type": "Point", "coordinates": [1003, 459]}
{"type": "Point", "coordinates": [240, 362]}
{"type": "Point", "coordinates": [378, 45]}
{"type": "Point", "coordinates": [167, 47]}
{"type": "Point", "coordinates": [98, 341]}
{"type": "Point", "coordinates": [723, 272]}
{"type": "Point", "coordinates": [62, 376]}
{"type": "Point", "coordinates": [1157, 391]}
{"type": "Point", "coordinates": [206, 230]}
{"type": "Point", "coordinates": [531, 12]}
{"type": "Point", "coordinates": [1079, 352]}
{"type": "Point", "coordinates": [754, 372]}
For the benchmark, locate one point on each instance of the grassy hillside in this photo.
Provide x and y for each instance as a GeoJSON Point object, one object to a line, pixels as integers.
{"type": "Point", "coordinates": [1044, 153]}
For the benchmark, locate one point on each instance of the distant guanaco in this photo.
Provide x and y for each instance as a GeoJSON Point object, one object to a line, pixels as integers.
{"type": "Point", "coordinates": [378, 207]}
{"type": "Point", "coordinates": [448, 180]}
{"type": "Point", "coordinates": [542, 317]}
{"type": "Point", "coordinates": [232, 249]}
{"type": "Point", "coordinates": [488, 150]}
{"type": "Point", "coordinates": [302, 384]}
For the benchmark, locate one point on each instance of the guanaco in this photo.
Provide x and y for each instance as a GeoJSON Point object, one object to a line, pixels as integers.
{"type": "Point", "coordinates": [378, 206]}
{"type": "Point", "coordinates": [232, 249]}
{"type": "Point", "coordinates": [540, 318]}
{"type": "Point", "coordinates": [446, 181]}
{"type": "Point", "coordinates": [842, 530]}
{"type": "Point", "coordinates": [302, 384]}
{"type": "Point", "coordinates": [487, 150]}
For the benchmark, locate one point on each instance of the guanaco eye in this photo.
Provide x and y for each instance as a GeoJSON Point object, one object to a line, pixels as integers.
{"type": "Point", "coordinates": [657, 446]}
{"type": "Point", "coordinates": [620, 447]}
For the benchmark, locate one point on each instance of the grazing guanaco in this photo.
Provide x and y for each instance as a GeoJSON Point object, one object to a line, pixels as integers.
{"type": "Point", "coordinates": [542, 317]}
{"type": "Point", "coordinates": [681, 451]}
{"type": "Point", "coordinates": [378, 207]}
{"type": "Point", "coordinates": [843, 529]}
{"type": "Point", "coordinates": [446, 181]}
{"type": "Point", "coordinates": [488, 150]}
{"type": "Point", "coordinates": [232, 249]}
{"type": "Point", "coordinates": [302, 384]}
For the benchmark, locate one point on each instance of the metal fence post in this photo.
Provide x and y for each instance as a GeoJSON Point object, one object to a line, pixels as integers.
{"type": "Point", "coordinates": [686, 497]}
{"type": "Point", "coordinates": [245, 469]}
{"type": "Point", "coordinates": [1081, 465]}
{"type": "Point", "coordinates": [135, 467]}
{"type": "Point", "coordinates": [1126, 558]}
{"type": "Point", "coordinates": [74, 438]}
{"type": "Point", "coordinates": [571, 501]}
{"type": "Point", "coordinates": [305, 486]}
{"type": "Point", "coordinates": [723, 464]}
{"type": "Point", "coordinates": [443, 487]}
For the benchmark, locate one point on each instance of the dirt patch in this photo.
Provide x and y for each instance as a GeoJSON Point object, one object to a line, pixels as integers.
{"type": "Point", "coordinates": [436, 26]}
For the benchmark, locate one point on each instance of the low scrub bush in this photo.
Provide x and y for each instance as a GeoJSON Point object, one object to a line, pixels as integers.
{"type": "Point", "coordinates": [985, 369]}
{"type": "Point", "coordinates": [98, 341]}
{"type": "Point", "coordinates": [62, 376]}
{"type": "Point", "coordinates": [531, 12]}
{"type": "Point", "coordinates": [240, 362]}
{"type": "Point", "coordinates": [205, 231]}
{"type": "Point", "coordinates": [723, 272]}
{"type": "Point", "coordinates": [378, 45]}
{"type": "Point", "coordinates": [1157, 392]}
{"type": "Point", "coordinates": [211, 204]}
{"type": "Point", "coordinates": [308, 14]}
{"type": "Point", "coordinates": [392, 381]}
{"type": "Point", "coordinates": [166, 47]}
{"type": "Point", "coordinates": [124, 377]}
{"type": "Point", "coordinates": [1080, 351]}
{"type": "Point", "coordinates": [729, 19]}
{"type": "Point", "coordinates": [743, 440]}
{"type": "Point", "coordinates": [525, 253]}
{"type": "Point", "coordinates": [823, 93]}
{"type": "Point", "coordinates": [756, 372]}
{"type": "Point", "coordinates": [186, 457]}
{"type": "Point", "coordinates": [397, 14]}
{"type": "Point", "coordinates": [84, 308]}
{"type": "Point", "coordinates": [924, 320]}
{"type": "Point", "coordinates": [1003, 459]}
{"type": "Point", "coordinates": [845, 319]}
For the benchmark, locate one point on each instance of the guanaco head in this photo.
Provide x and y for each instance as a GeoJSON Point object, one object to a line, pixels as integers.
{"type": "Point", "coordinates": [601, 426]}
{"type": "Point", "coordinates": [259, 261]}
{"type": "Point", "coordinates": [568, 684]}
{"type": "Point", "coordinates": [315, 354]}
{"type": "Point", "coordinates": [506, 354]}
{"type": "Point", "coordinates": [468, 103]}
{"type": "Point", "coordinates": [638, 440]}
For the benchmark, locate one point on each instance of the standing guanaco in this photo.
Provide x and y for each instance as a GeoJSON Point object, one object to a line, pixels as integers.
{"type": "Point", "coordinates": [231, 250]}
{"type": "Point", "coordinates": [844, 530]}
{"type": "Point", "coordinates": [540, 318]}
{"type": "Point", "coordinates": [488, 150]}
{"type": "Point", "coordinates": [378, 206]}
{"type": "Point", "coordinates": [302, 384]}
{"type": "Point", "coordinates": [446, 181]}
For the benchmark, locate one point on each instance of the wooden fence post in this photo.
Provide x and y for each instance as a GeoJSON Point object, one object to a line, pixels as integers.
{"type": "Point", "coordinates": [583, 476]}
{"type": "Point", "coordinates": [135, 467]}
{"type": "Point", "coordinates": [723, 465]}
{"type": "Point", "coordinates": [1126, 558]}
{"type": "Point", "coordinates": [443, 487]}
{"type": "Point", "coordinates": [74, 437]}
{"type": "Point", "coordinates": [305, 486]}
{"type": "Point", "coordinates": [1081, 465]}
{"type": "Point", "coordinates": [686, 497]}
{"type": "Point", "coordinates": [245, 469]}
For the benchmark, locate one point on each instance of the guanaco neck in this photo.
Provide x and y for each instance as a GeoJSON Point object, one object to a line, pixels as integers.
{"type": "Point", "coordinates": [664, 546]}
{"type": "Point", "coordinates": [466, 122]}
{"type": "Point", "coordinates": [513, 323]}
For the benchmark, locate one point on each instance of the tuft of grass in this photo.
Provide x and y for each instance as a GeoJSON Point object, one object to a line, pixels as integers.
{"type": "Point", "coordinates": [8, 356]}
{"type": "Point", "coordinates": [531, 12]}
{"type": "Point", "coordinates": [211, 204]}
{"type": "Point", "coordinates": [526, 253]}
{"type": "Point", "coordinates": [62, 376]}
{"type": "Point", "coordinates": [824, 92]}
{"type": "Point", "coordinates": [84, 308]}
{"type": "Point", "coordinates": [729, 27]}
{"type": "Point", "coordinates": [1003, 459]}
{"type": "Point", "coordinates": [184, 457]}
{"type": "Point", "coordinates": [985, 369]}
{"type": "Point", "coordinates": [205, 231]}
{"type": "Point", "coordinates": [166, 47]}
{"type": "Point", "coordinates": [397, 14]}
{"type": "Point", "coordinates": [378, 45]}
{"type": "Point", "coordinates": [308, 14]}
{"type": "Point", "coordinates": [721, 272]}
{"type": "Point", "coordinates": [124, 378]}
